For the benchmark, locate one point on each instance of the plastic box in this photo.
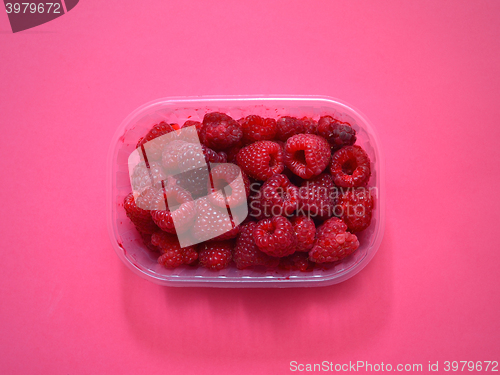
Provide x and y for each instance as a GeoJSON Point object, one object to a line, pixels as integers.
{"type": "Point", "coordinates": [127, 241]}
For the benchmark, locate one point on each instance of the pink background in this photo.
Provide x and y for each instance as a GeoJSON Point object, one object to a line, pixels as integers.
{"type": "Point", "coordinates": [425, 73]}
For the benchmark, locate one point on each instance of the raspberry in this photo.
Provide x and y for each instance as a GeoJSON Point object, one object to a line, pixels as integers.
{"type": "Point", "coordinates": [199, 126]}
{"type": "Point", "coordinates": [191, 156]}
{"type": "Point", "coordinates": [278, 196]}
{"type": "Point", "coordinates": [170, 156]}
{"type": "Point", "coordinates": [287, 126]}
{"type": "Point", "coordinates": [317, 197]}
{"type": "Point", "coordinates": [310, 125]}
{"type": "Point", "coordinates": [350, 167]}
{"type": "Point", "coordinates": [214, 157]}
{"type": "Point", "coordinates": [357, 206]}
{"type": "Point", "coordinates": [146, 239]}
{"type": "Point", "coordinates": [220, 131]}
{"type": "Point", "coordinates": [338, 134]}
{"type": "Point", "coordinates": [210, 221]}
{"type": "Point", "coordinates": [275, 236]}
{"type": "Point", "coordinates": [229, 190]}
{"type": "Point", "coordinates": [232, 152]}
{"type": "Point", "coordinates": [142, 176]}
{"type": "Point", "coordinates": [307, 155]}
{"type": "Point", "coordinates": [173, 255]}
{"type": "Point", "coordinates": [180, 212]}
{"type": "Point", "coordinates": [233, 233]}
{"type": "Point", "coordinates": [195, 181]}
{"type": "Point", "coordinates": [246, 252]}
{"type": "Point", "coordinates": [297, 262]}
{"type": "Point", "coordinates": [216, 255]}
{"type": "Point", "coordinates": [256, 128]}
{"type": "Point", "coordinates": [305, 230]}
{"type": "Point", "coordinates": [141, 217]}
{"type": "Point", "coordinates": [261, 160]}
{"type": "Point", "coordinates": [154, 149]}
{"type": "Point", "coordinates": [333, 242]}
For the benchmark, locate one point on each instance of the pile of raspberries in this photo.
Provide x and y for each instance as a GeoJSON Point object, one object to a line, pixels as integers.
{"type": "Point", "coordinates": [305, 184]}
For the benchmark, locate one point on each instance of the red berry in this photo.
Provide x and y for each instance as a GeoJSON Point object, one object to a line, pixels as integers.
{"type": "Point", "coordinates": [278, 196]}
{"type": "Point", "coordinates": [211, 221]}
{"type": "Point", "coordinates": [146, 239]}
{"type": "Point", "coordinates": [333, 242]}
{"type": "Point", "coordinates": [317, 197]}
{"type": "Point", "coordinates": [154, 148]}
{"type": "Point", "coordinates": [141, 216]}
{"type": "Point", "coordinates": [179, 213]}
{"type": "Point", "coordinates": [338, 134]}
{"type": "Point", "coordinates": [297, 262]}
{"type": "Point", "coordinates": [310, 125]}
{"type": "Point", "coordinates": [170, 156]}
{"type": "Point", "coordinates": [307, 155]}
{"type": "Point", "coordinates": [356, 208]}
{"type": "Point", "coordinates": [246, 252]}
{"type": "Point", "coordinates": [216, 255]}
{"type": "Point", "coordinates": [305, 230]}
{"type": "Point", "coordinates": [275, 236]}
{"type": "Point", "coordinates": [288, 126]}
{"type": "Point", "coordinates": [220, 131]}
{"type": "Point", "coordinates": [231, 186]}
{"type": "Point", "coordinates": [197, 124]}
{"type": "Point", "coordinates": [350, 167]}
{"type": "Point", "coordinates": [142, 176]}
{"type": "Point", "coordinates": [173, 255]}
{"type": "Point", "coordinates": [256, 128]}
{"type": "Point", "coordinates": [261, 160]}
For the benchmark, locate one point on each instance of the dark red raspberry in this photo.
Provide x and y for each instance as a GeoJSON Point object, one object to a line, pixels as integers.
{"type": "Point", "coordinates": [197, 124]}
{"type": "Point", "coordinates": [173, 255]}
{"type": "Point", "coordinates": [195, 181]}
{"type": "Point", "coordinates": [350, 167]}
{"type": "Point", "coordinates": [216, 255]}
{"type": "Point", "coordinates": [307, 155]}
{"type": "Point", "coordinates": [154, 148]}
{"type": "Point", "coordinates": [310, 125]}
{"type": "Point", "coordinates": [338, 134]}
{"type": "Point", "coordinates": [275, 236]}
{"type": "Point", "coordinates": [246, 252]}
{"type": "Point", "coordinates": [288, 126]}
{"type": "Point", "coordinates": [333, 242]}
{"type": "Point", "coordinates": [220, 132]}
{"type": "Point", "coordinates": [233, 233]}
{"type": "Point", "coordinates": [256, 128]}
{"type": "Point", "coordinates": [214, 157]}
{"type": "Point", "coordinates": [179, 214]}
{"type": "Point", "coordinates": [211, 221]}
{"type": "Point", "coordinates": [297, 262]}
{"type": "Point", "coordinates": [278, 196]}
{"type": "Point", "coordinates": [232, 152]}
{"type": "Point", "coordinates": [141, 216]}
{"type": "Point", "coordinates": [317, 197]}
{"type": "Point", "coordinates": [142, 176]}
{"type": "Point", "coordinates": [261, 160]}
{"type": "Point", "coordinates": [305, 231]}
{"type": "Point", "coordinates": [146, 239]}
{"type": "Point", "coordinates": [231, 186]}
{"type": "Point", "coordinates": [356, 208]}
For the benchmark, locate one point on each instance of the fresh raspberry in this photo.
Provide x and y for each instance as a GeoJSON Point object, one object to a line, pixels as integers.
{"type": "Point", "coordinates": [278, 196]}
{"type": "Point", "coordinates": [170, 156]}
{"type": "Point", "coordinates": [210, 221]}
{"type": "Point", "coordinates": [275, 236]}
{"type": "Point", "coordinates": [317, 197]}
{"type": "Point", "coordinates": [216, 255]}
{"type": "Point", "coordinates": [288, 126]}
{"type": "Point", "coordinates": [305, 230]}
{"type": "Point", "coordinates": [307, 155]}
{"type": "Point", "coordinates": [256, 128]}
{"type": "Point", "coordinates": [232, 152]}
{"type": "Point", "coordinates": [173, 255]}
{"type": "Point", "coordinates": [357, 206]}
{"type": "Point", "coordinates": [246, 252]}
{"type": "Point", "coordinates": [154, 149]}
{"type": "Point", "coordinates": [310, 125]}
{"type": "Point", "coordinates": [220, 131]}
{"type": "Point", "coordinates": [333, 242]}
{"type": "Point", "coordinates": [350, 167]}
{"type": "Point", "coordinates": [297, 262]}
{"type": "Point", "coordinates": [338, 134]}
{"type": "Point", "coordinates": [141, 217]}
{"type": "Point", "coordinates": [195, 181]}
{"type": "Point", "coordinates": [190, 157]}
{"type": "Point", "coordinates": [261, 160]}
{"type": "Point", "coordinates": [233, 233]}
{"type": "Point", "coordinates": [179, 214]}
{"type": "Point", "coordinates": [146, 239]}
{"type": "Point", "coordinates": [229, 189]}
{"type": "Point", "coordinates": [197, 124]}
{"type": "Point", "coordinates": [214, 157]}
{"type": "Point", "coordinates": [142, 176]}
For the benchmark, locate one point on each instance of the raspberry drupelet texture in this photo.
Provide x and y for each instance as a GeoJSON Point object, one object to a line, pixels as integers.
{"type": "Point", "coordinates": [141, 216]}
{"type": "Point", "coordinates": [211, 221]}
{"type": "Point", "coordinates": [179, 212]}
{"type": "Point", "coordinates": [278, 197]}
{"type": "Point", "coordinates": [333, 242]}
{"type": "Point", "coordinates": [275, 236]}
{"type": "Point", "coordinates": [173, 255]}
{"type": "Point", "coordinates": [143, 177]}
{"type": "Point", "coordinates": [297, 262]}
{"type": "Point", "coordinates": [246, 253]}
{"type": "Point", "coordinates": [153, 148]}
{"type": "Point", "coordinates": [216, 255]}
{"type": "Point", "coordinates": [261, 160]}
{"type": "Point", "coordinates": [338, 134]}
{"type": "Point", "coordinates": [317, 197]}
{"type": "Point", "coordinates": [170, 156]}
{"type": "Point", "coordinates": [220, 131]}
{"type": "Point", "coordinates": [256, 128]}
{"type": "Point", "coordinates": [288, 126]}
{"type": "Point", "coordinates": [356, 208]}
{"type": "Point", "coordinates": [229, 188]}
{"type": "Point", "coordinates": [306, 155]}
{"type": "Point", "coordinates": [305, 231]}
{"type": "Point", "coordinates": [350, 167]}
{"type": "Point", "coordinates": [146, 240]}
{"type": "Point", "coordinates": [310, 125]}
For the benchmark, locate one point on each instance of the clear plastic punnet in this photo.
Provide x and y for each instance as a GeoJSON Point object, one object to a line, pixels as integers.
{"type": "Point", "coordinates": [124, 158]}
